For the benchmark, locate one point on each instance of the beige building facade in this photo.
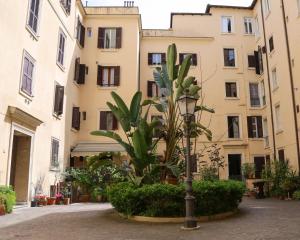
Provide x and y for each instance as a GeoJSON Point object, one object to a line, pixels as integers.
{"type": "Point", "coordinates": [63, 60]}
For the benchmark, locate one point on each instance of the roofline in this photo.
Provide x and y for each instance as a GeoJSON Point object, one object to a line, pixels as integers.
{"type": "Point", "coordinates": [209, 6]}
{"type": "Point", "coordinates": [186, 13]}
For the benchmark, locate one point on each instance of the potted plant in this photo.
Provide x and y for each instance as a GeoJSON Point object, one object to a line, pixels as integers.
{"type": "Point", "coordinates": [40, 200]}
{"type": "Point", "coordinates": [59, 199]}
{"type": "Point", "coordinates": [66, 193]}
{"type": "Point", "coordinates": [2, 206]}
{"type": "Point", "coordinates": [51, 200]}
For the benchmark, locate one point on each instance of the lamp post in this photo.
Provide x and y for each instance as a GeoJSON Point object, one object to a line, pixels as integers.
{"type": "Point", "coordinates": [187, 106]}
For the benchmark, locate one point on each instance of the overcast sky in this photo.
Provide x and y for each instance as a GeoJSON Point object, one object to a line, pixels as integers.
{"type": "Point", "coordinates": [156, 13]}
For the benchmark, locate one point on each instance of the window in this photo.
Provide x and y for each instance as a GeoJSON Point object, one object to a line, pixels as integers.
{"type": "Point", "coordinates": [266, 7]}
{"type": "Point", "coordinates": [259, 66]}
{"type": "Point", "coordinates": [80, 33]}
{"type": "Point", "coordinates": [233, 127]}
{"type": "Point", "coordinates": [108, 121]}
{"type": "Point", "coordinates": [109, 38]}
{"type": "Point", "coordinates": [254, 95]}
{"type": "Point", "coordinates": [281, 155]}
{"type": "Point", "coordinates": [259, 164]}
{"type": "Point", "coordinates": [257, 31]}
{"type": "Point", "coordinates": [66, 4]}
{"type": "Point", "coordinates": [156, 58]}
{"type": "Point", "coordinates": [182, 56]}
{"type": "Point", "coordinates": [76, 118]}
{"type": "Point", "coordinates": [263, 93]}
{"type": "Point", "coordinates": [89, 32]}
{"type": "Point", "coordinates": [274, 79]}
{"type": "Point", "coordinates": [248, 25]}
{"type": "Point", "coordinates": [227, 24]}
{"type": "Point", "coordinates": [80, 71]}
{"type": "Point", "coordinates": [61, 48]}
{"type": "Point", "coordinates": [229, 57]}
{"type": "Point", "coordinates": [277, 118]}
{"type": "Point", "coordinates": [54, 153]}
{"type": "Point", "coordinates": [108, 76]}
{"type": "Point", "coordinates": [157, 130]}
{"type": "Point", "coordinates": [27, 74]}
{"type": "Point", "coordinates": [251, 61]}
{"type": "Point", "coordinates": [58, 100]}
{"type": "Point", "coordinates": [153, 89]}
{"type": "Point", "coordinates": [33, 15]}
{"type": "Point", "coordinates": [266, 132]}
{"type": "Point", "coordinates": [231, 89]}
{"type": "Point", "coordinates": [271, 44]}
{"type": "Point", "coordinates": [255, 128]}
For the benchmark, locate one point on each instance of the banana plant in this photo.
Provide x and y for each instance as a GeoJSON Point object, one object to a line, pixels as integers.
{"type": "Point", "coordinates": [173, 81]}
{"type": "Point", "coordinates": [139, 143]}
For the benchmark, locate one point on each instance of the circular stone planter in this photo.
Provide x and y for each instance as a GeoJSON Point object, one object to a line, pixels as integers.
{"type": "Point", "coordinates": [215, 217]}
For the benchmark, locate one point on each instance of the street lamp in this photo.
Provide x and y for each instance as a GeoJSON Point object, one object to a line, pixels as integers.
{"type": "Point", "coordinates": [187, 105]}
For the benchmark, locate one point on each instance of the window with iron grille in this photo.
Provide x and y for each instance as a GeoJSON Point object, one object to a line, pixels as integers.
{"type": "Point", "coordinates": [66, 4]}
{"type": "Point", "coordinates": [58, 100]}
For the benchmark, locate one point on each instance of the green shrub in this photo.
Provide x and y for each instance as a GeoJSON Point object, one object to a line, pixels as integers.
{"type": "Point", "coordinates": [296, 195]}
{"type": "Point", "coordinates": [164, 200]}
{"type": "Point", "coordinates": [9, 197]}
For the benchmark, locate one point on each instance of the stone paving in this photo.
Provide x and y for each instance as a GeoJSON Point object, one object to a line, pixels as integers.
{"type": "Point", "coordinates": [267, 219]}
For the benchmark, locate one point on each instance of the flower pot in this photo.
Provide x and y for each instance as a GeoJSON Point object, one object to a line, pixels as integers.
{"type": "Point", "coordinates": [33, 204]}
{"type": "Point", "coordinates": [2, 209]}
{"type": "Point", "coordinates": [66, 201]}
{"type": "Point", "coordinates": [84, 198]}
{"type": "Point", "coordinates": [51, 201]}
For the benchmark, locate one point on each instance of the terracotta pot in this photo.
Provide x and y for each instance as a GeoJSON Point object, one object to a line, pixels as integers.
{"type": "Point", "coordinates": [2, 210]}
{"type": "Point", "coordinates": [51, 201]}
{"type": "Point", "coordinates": [66, 201]}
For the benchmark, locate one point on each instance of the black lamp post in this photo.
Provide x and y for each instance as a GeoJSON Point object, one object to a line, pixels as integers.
{"type": "Point", "coordinates": [187, 105]}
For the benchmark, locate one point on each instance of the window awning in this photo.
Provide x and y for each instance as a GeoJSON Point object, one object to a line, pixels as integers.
{"type": "Point", "coordinates": [84, 149]}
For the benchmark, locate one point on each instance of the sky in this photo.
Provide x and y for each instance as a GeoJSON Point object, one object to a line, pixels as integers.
{"type": "Point", "coordinates": [156, 13]}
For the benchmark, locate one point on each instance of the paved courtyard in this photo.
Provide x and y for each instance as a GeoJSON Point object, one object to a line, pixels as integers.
{"type": "Point", "coordinates": [257, 220]}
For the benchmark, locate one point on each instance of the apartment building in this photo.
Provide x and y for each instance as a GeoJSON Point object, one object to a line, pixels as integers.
{"type": "Point", "coordinates": [65, 60]}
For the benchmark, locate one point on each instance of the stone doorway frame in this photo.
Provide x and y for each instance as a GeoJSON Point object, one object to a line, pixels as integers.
{"type": "Point", "coordinates": [31, 134]}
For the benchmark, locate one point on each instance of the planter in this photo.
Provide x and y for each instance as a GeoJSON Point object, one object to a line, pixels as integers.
{"type": "Point", "coordinates": [33, 204]}
{"type": "Point", "coordinates": [42, 203]}
{"type": "Point", "coordinates": [51, 201]}
{"type": "Point", "coordinates": [66, 201]}
{"type": "Point", "coordinates": [2, 209]}
{"type": "Point", "coordinates": [84, 198]}
{"type": "Point", "coordinates": [172, 180]}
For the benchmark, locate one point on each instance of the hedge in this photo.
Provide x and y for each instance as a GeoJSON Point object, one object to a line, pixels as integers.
{"type": "Point", "coordinates": [164, 200]}
{"type": "Point", "coordinates": [9, 197]}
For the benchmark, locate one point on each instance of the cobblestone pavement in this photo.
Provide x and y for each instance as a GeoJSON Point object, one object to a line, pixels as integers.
{"type": "Point", "coordinates": [258, 220]}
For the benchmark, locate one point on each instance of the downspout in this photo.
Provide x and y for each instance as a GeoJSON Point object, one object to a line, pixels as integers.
{"type": "Point", "coordinates": [269, 82]}
{"type": "Point", "coordinates": [292, 82]}
{"type": "Point", "coordinates": [139, 61]}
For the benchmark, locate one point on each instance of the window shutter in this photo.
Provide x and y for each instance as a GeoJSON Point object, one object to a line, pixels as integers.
{"type": "Point", "coordinates": [103, 125]}
{"type": "Point", "coordinates": [281, 156]}
{"type": "Point", "coordinates": [76, 118]}
{"type": "Point", "coordinates": [101, 34]}
{"type": "Point", "coordinates": [256, 62]}
{"type": "Point", "coordinates": [149, 88]}
{"type": "Point", "coordinates": [259, 126]}
{"type": "Point", "coordinates": [117, 76]}
{"type": "Point", "coordinates": [249, 123]}
{"type": "Point", "coordinates": [228, 90]}
{"type": "Point", "coordinates": [163, 58]}
{"type": "Point", "coordinates": [99, 76]}
{"type": "Point", "coordinates": [81, 79]}
{"type": "Point", "coordinates": [181, 55]}
{"type": "Point", "coordinates": [118, 37]}
{"type": "Point", "coordinates": [115, 123]}
{"type": "Point", "coordinates": [150, 59]}
{"type": "Point", "coordinates": [77, 69]}
{"type": "Point", "coordinates": [82, 35]}
{"type": "Point", "coordinates": [59, 100]}
{"type": "Point", "coordinates": [194, 59]}
{"type": "Point", "coordinates": [251, 61]}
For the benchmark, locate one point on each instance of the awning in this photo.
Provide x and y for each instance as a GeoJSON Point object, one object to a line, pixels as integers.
{"type": "Point", "coordinates": [91, 148]}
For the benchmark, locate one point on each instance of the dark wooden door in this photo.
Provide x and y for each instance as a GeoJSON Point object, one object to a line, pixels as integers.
{"type": "Point", "coordinates": [259, 163]}
{"type": "Point", "coordinates": [234, 165]}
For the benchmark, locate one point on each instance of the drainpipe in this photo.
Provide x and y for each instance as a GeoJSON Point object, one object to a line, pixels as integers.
{"type": "Point", "coordinates": [269, 82]}
{"type": "Point", "coordinates": [291, 80]}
